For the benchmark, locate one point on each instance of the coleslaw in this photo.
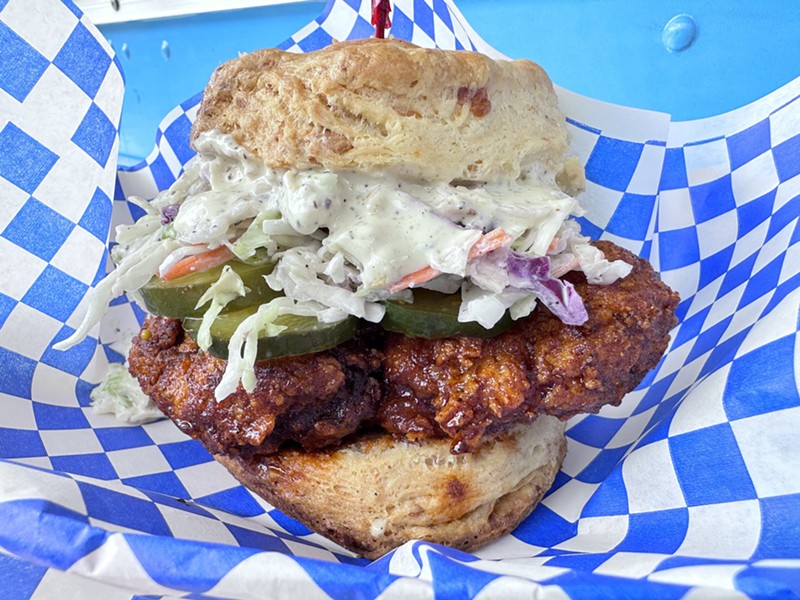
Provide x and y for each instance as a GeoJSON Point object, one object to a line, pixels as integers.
{"type": "Point", "coordinates": [344, 242]}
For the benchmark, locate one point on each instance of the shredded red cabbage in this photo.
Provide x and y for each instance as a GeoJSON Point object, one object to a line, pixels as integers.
{"type": "Point", "coordinates": [168, 213]}
{"type": "Point", "coordinates": [533, 273]}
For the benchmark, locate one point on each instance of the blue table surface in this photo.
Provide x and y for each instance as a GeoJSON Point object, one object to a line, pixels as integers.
{"type": "Point", "coordinates": [609, 49]}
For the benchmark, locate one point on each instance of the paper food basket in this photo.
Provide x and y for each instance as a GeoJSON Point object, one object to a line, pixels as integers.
{"type": "Point", "coordinates": [689, 489]}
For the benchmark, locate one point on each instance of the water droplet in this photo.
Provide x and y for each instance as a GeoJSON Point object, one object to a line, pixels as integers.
{"type": "Point", "coordinates": [679, 33]}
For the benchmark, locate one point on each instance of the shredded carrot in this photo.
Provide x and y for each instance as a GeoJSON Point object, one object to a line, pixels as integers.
{"type": "Point", "coordinates": [565, 268]}
{"type": "Point", "coordinates": [414, 279]}
{"type": "Point", "coordinates": [497, 238]}
{"type": "Point", "coordinates": [198, 262]}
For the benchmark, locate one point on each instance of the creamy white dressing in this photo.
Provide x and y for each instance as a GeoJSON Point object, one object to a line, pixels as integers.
{"type": "Point", "coordinates": [520, 208]}
{"type": "Point", "coordinates": [391, 233]}
{"type": "Point", "coordinates": [387, 227]}
{"type": "Point", "coordinates": [237, 188]}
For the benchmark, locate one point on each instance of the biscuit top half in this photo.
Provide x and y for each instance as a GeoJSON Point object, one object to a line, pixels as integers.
{"type": "Point", "coordinates": [375, 104]}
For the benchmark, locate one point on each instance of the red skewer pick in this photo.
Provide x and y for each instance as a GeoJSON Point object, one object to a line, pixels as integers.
{"type": "Point", "coordinates": [380, 16]}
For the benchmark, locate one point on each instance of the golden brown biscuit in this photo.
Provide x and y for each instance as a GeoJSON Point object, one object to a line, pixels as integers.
{"type": "Point", "coordinates": [376, 493]}
{"type": "Point", "coordinates": [386, 104]}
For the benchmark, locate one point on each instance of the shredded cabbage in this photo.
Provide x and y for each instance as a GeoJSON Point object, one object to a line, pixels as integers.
{"type": "Point", "coordinates": [509, 277]}
{"type": "Point", "coordinates": [484, 306]}
{"type": "Point", "coordinates": [243, 345]}
{"type": "Point", "coordinates": [132, 273]}
{"type": "Point", "coordinates": [300, 274]}
{"type": "Point", "coordinates": [119, 394]}
{"type": "Point", "coordinates": [593, 263]}
{"type": "Point", "coordinates": [222, 292]}
{"type": "Point", "coordinates": [255, 236]}
{"type": "Point", "coordinates": [533, 273]}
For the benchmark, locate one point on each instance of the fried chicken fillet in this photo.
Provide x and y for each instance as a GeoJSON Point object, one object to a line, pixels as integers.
{"type": "Point", "coordinates": [461, 389]}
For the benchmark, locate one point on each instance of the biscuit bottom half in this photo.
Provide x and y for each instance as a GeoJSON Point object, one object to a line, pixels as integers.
{"type": "Point", "coordinates": [377, 492]}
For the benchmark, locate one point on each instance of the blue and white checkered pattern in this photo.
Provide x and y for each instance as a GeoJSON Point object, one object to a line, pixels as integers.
{"type": "Point", "coordinates": [689, 487]}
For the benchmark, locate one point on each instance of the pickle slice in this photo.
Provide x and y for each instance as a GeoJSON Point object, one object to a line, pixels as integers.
{"type": "Point", "coordinates": [177, 298]}
{"type": "Point", "coordinates": [302, 335]}
{"type": "Point", "coordinates": [434, 315]}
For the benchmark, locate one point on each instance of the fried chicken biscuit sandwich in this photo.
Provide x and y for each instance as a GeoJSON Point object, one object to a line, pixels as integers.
{"type": "Point", "coordinates": [369, 301]}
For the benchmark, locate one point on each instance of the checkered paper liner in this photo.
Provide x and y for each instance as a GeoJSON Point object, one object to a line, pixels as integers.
{"type": "Point", "coordinates": [691, 486]}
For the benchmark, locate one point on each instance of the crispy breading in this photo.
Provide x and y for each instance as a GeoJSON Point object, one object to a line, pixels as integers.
{"type": "Point", "coordinates": [315, 399]}
{"type": "Point", "coordinates": [460, 388]}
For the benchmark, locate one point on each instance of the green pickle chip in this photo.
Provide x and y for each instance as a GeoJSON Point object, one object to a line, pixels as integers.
{"type": "Point", "coordinates": [178, 298]}
{"type": "Point", "coordinates": [434, 315]}
{"type": "Point", "coordinates": [302, 335]}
